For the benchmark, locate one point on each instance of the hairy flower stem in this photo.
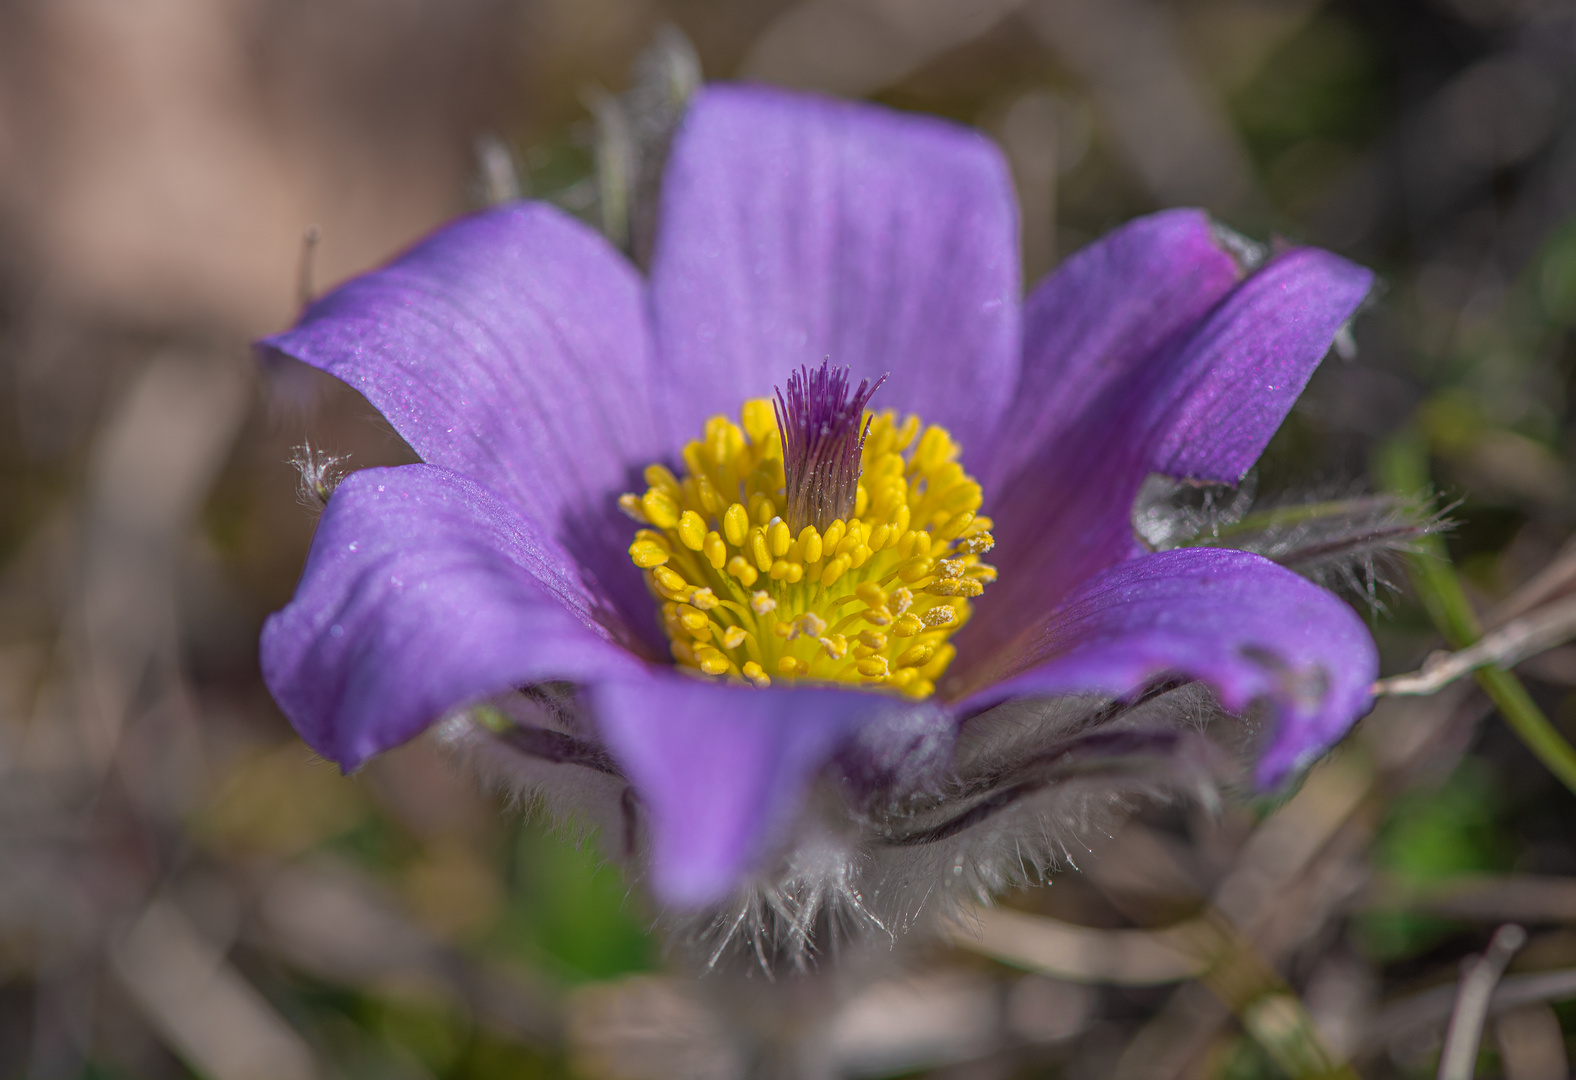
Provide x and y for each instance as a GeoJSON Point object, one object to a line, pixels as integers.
{"type": "Point", "coordinates": [1403, 467]}
{"type": "Point", "coordinates": [1283, 516]}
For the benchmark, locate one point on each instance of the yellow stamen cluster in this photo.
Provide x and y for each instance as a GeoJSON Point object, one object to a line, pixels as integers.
{"type": "Point", "coordinates": [870, 601]}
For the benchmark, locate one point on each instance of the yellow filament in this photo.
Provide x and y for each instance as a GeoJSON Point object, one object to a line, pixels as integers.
{"type": "Point", "coordinates": [870, 601]}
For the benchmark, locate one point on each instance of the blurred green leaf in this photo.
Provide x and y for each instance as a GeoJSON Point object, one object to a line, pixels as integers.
{"type": "Point", "coordinates": [1557, 275]}
{"type": "Point", "coordinates": [568, 909]}
{"type": "Point", "coordinates": [1432, 833]}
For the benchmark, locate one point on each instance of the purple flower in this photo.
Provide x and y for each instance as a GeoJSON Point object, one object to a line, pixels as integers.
{"type": "Point", "coordinates": [536, 374]}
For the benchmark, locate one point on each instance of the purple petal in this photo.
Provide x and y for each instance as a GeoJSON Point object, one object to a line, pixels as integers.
{"type": "Point", "coordinates": [722, 770]}
{"type": "Point", "coordinates": [1249, 628]}
{"type": "Point", "coordinates": [511, 347]}
{"type": "Point", "coordinates": [1201, 407]}
{"type": "Point", "coordinates": [423, 591]}
{"type": "Point", "coordinates": [1108, 309]}
{"type": "Point", "coordinates": [796, 228]}
{"type": "Point", "coordinates": [1247, 365]}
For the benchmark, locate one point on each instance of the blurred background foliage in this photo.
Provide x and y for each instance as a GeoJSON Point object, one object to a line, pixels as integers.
{"type": "Point", "coordinates": [185, 891]}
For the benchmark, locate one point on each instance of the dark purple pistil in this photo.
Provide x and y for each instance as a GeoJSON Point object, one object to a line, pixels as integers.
{"type": "Point", "coordinates": [822, 443]}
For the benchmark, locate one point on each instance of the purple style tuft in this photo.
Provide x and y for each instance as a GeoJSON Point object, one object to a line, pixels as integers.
{"type": "Point", "coordinates": [822, 443]}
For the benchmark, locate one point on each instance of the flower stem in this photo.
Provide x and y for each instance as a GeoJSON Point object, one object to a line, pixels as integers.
{"type": "Point", "coordinates": [1260, 520]}
{"type": "Point", "coordinates": [1403, 467]}
{"type": "Point", "coordinates": [1270, 1011]}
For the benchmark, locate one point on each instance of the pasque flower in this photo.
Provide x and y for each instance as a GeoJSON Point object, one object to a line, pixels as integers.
{"type": "Point", "coordinates": [800, 604]}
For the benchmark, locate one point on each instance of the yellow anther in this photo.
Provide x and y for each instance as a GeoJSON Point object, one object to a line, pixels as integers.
{"type": "Point", "coordinates": [760, 419]}
{"type": "Point", "coordinates": [889, 466]}
{"type": "Point", "coordinates": [694, 460]}
{"type": "Point", "coordinates": [758, 549]}
{"type": "Point", "coordinates": [648, 553]}
{"type": "Point", "coordinates": [945, 653]}
{"type": "Point", "coordinates": [810, 624]}
{"type": "Point", "coordinates": [877, 443]}
{"type": "Point", "coordinates": [944, 478]}
{"type": "Point", "coordinates": [977, 544]}
{"type": "Point", "coordinates": [810, 544]}
{"type": "Point", "coordinates": [658, 476]}
{"type": "Point", "coordinates": [670, 581]}
{"type": "Point", "coordinates": [712, 662]}
{"type": "Point", "coordinates": [760, 581]}
{"type": "Point", "coordinates": [735, 524]}
{"type": "Point", "coordinates": [722, 437]}
{"type": "Point", "coordinates": [706, 495]}
{"type": "Point", "coordinates": [834, 570]}
{"type": "Point", "coordinates": [660, 508]}
{"type": "Point", "coordinates": [905, 434]}
{"type": "Point", "coordinates": [715, 550]}
{"type": "Point", "coordinates": [915, 544]}
{"type": "Point", "coordinates": [963, 497]}
{"type": "Point", "coordinates": [630, 504]}
{"type": "Point", "coordinates": [692, 530]}
{"type": "Point", "coordinates": [956, 525]}
{"type": "Point", "coordinates": [958, 587]}
{"type": "Point", "coordinates": [740, 568]}
{"type": "Point", "coordinates": [931, 453]}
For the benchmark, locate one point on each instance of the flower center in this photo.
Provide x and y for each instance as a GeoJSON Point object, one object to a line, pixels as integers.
{"type": "Point", "coordinates": [849, 559]}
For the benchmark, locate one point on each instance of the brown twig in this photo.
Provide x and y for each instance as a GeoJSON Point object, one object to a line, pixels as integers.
{"type": "Point", "coordinates": [1459, 1059]}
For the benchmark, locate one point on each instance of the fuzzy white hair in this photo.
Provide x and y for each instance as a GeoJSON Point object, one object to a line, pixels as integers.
{"type": "Point", "coordinates": [1028, 782]}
